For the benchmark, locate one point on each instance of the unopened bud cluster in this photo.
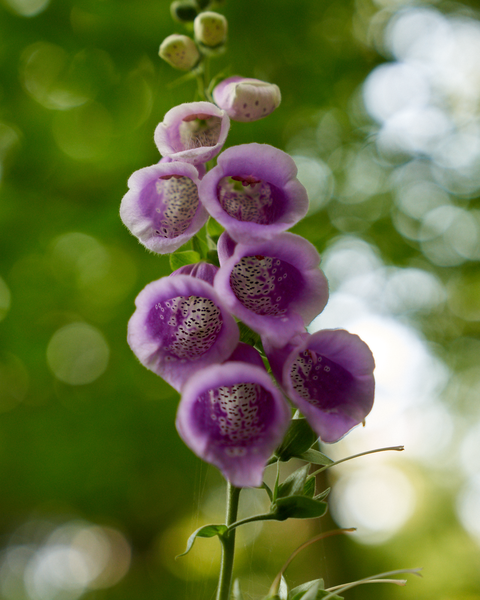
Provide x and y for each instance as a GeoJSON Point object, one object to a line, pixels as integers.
{"type": "Point", "coordinates": [210, 32]}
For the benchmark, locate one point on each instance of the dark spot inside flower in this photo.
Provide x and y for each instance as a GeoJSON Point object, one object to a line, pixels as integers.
{"type": "Point", "coordinates": [246, 180]}
{"type": "Point", "coordinates": [245, 105]}
{"type": "Point", "coordinates": [256, 103]}
{"type": "Point", "coordinates": [259, 257]}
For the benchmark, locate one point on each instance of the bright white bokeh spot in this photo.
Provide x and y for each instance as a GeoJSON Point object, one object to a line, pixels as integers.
{"type": "Point", "coordinates": [62, 563]}
{"type": "Point", "coordinates": [318, 180]}
{"type": "Point", "coordinates": [468, 507]}
{"type": "Point", "coordinates": [394, 87]}
{"type": "Point", "coordinates": [378, 501]}
{"type": "Point", "coordinates": [77, 354]}
{"type": "Point", "coordinates": [27, 8]}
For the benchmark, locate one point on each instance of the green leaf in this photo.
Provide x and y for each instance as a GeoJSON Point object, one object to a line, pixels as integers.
{"type": "Point", "coordinates": [298, 507]}
{"type": "Point", "coordinates": [214, 229]}
{"type": "Point", "coordinates": [296, 442]}
{"type": "Point", "coordinates": [200, 246]}
{"type": "Point", "coordinates": [268, 490]}
{"type": "Point", "coordinates": [294, 484]}
{"type": "Point", "coordinates": [247, 335]}
{"type": "Point", "coordinates": [315, 457]}
{"type": "Point", "coordinates": [313, 590]}
{"type": "Point", "coordinates": [322, 495]}
{"type": "Point", "coordinates": [207, 531]}
{"type": "Point", "coordinates": [300, 590]}
{"type": "Point", "coordinates": [180, 259]}
{"type": "Point", "coordinates": [212, 257]}
{"type": "Point", "coordinates": [309, 488]}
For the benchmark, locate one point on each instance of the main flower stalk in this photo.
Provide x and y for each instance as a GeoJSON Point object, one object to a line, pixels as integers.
{"type": "Point", "coordinates": [228, 545]}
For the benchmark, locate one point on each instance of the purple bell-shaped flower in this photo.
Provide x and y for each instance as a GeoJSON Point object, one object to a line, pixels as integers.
{"type": "Point", "coordinates": [329, 376]}
{"type": "Point", "coordinates": [161, 207]}
{"type": "Point", "coordinates": [192, 132]}
{"type": "Point", "coordinates": [253, 192]}
{"type": "Point", "coordinates": [179, 327]}
{"type": "Point", "coordinates": [275, 287]}
{"type": "Point", "coordinates": [233, 416]}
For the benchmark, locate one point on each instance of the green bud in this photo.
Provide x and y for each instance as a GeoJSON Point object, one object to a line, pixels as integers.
{"type": "Point", "coordinates": [210, 29]}
{"type": "Point", "coordinates": [183, 12]}
{"type": "Point", "coordinates": [179, 51]}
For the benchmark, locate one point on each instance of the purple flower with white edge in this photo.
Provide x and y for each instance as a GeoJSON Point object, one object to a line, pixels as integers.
{"type": "Point", "coordinates": [329, 377]}
{"type": "Point", "coordinates": [201, 270]}
{"type": "Point", "coordinates": [162, 208]}
{"type": "Point", "coordinates": [233, 416]}
{"type": "Point", "coordinates": [245, 99]}
{"type": "Point", "coordinates": [181, 326]}
{"type": "Point", "coordinates": [192, 132]}
{"type": "Point", "coordinates": [253, 192]}
{"type": "Point", "coordinates": [275, 287]}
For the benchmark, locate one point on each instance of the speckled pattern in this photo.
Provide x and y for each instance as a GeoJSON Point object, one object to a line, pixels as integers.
{"type": "Point", "coordinates": [236, 416]}
{"type": "Point", "coordinates": [198, 133]}
{"type": "Point", "coordinates": [252, 203]}
{"type": "Point", "coordinates": [320, 381]}
{"type": "Point", "coordinates": [179, 203]}
{"type": "Point", "coordinates": [265, 285]}
{"type": "Point", "coordinates": [187, 326]}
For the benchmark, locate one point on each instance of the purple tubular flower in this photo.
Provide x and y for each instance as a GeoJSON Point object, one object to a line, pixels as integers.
{"type": "Point", "coordinates": [225, 247]}
{"type": "Point", "coordinates": [245, 99]}
{"type": "Point", "coordinates": [200, 270]}
{"type": "Point", "coordinates": [253, 192]}
{"type": "Point", "coordinates": [192, 132]}
{"type": "Point", "coordinates": [161, 207]}
{"type": "Point", "coordinates": [275, 287]}
{"type": "Point", "coordinates": [329, 376]}
{"type": "Point", "coordinates": [180, 326]}
{"type": "Point", "coordinates": [233, 417]}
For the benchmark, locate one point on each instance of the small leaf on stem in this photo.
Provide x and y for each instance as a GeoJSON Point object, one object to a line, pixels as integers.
{"type": "Point", "coordinates": [207, 531]}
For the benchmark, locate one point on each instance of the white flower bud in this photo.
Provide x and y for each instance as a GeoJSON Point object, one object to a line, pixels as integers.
{"type": "Point", "coordinates": [210, 29]}
{"type": "Point", "coordinates": [247, 99]}
{"type": "Point", "coordinates": [179, 51]}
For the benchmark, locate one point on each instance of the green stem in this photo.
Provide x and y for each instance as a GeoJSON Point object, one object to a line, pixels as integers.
{"type": "Point", "coordinates": [334, 464]}
{"type": "Point", "coordinates": [263, 517]}
{"type": "Point", "coordinates": [228, 545]}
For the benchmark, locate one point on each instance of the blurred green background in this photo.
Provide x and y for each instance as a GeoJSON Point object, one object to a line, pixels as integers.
{"type": "Point", "coordinates": [381, 111]}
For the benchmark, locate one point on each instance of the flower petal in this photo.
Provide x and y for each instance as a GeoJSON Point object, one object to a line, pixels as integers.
{"type": "Point", "coordinates": [162, 208]}
{"type": "Point", "coordinates": [179, 327]}
{"type": "Point", "coordinates": [233, 417]}
{"type": "Point", "coordinates": [329, 376]}
{"type": "Point", "coordinates": [200, 270]}
{"type": "Point", "coordinates": [275, 287]}
{"type": "Point", "coordinates": [253, 192]}
{"type": "Point", "coordinates": [193, 132]}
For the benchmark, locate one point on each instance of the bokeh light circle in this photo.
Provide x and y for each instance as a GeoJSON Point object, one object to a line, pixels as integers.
{"type": "Point", "coordinates": [77, 354]}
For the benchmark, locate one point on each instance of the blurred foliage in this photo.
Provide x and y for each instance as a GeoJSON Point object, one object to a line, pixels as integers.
{"type": "Point", "coordinates": [81, 92]}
